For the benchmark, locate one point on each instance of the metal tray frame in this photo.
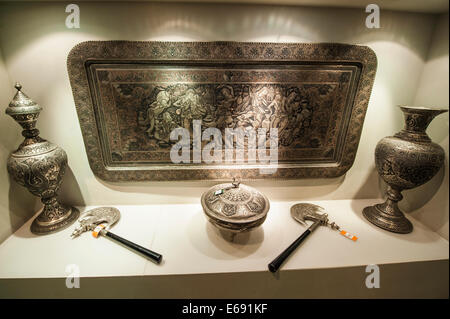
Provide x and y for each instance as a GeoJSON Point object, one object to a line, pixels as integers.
{"type": "Point", "coordinates": [85, 54]}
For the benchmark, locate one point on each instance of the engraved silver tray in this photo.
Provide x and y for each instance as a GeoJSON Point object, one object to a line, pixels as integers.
{"type": "Point", "coordinates": [129, 95]}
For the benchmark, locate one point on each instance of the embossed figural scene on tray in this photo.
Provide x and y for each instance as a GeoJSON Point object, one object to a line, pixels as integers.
{"type": "Point", "coordinates": [131, 95]}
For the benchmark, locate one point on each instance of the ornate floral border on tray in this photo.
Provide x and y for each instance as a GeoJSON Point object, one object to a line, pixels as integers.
{"type": "Point", "coordinates": [87, 60]}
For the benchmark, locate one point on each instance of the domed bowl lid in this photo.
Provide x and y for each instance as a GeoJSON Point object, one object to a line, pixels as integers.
{"type": "Point", "coordinates": [235, 203]}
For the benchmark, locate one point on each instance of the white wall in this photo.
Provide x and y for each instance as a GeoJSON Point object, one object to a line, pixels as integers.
{"type": "Point", "coordinates": [433, 91]}
{"type": "Point", "coordinates": [35, 44]}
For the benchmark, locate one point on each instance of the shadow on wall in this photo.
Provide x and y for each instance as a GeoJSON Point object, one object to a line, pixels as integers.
{"type": "Point", "coordinates": [279, 189]}
{"type": "Point", "coordinates": [436, 214]}
{"type": "Point", "coordinates": [371, 183]}
{"type": "Point", "coordinates": [21, 204]}
{"type": "Point", "coordinates": [70, 192]}
{"type": "Point", "coordinates": [416, 198]}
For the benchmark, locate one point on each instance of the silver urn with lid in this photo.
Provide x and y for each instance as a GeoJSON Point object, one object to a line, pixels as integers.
{"type": "Point", "coordinates": [235, 207]}
{"type": "Point", "coordinates": [39, 166]}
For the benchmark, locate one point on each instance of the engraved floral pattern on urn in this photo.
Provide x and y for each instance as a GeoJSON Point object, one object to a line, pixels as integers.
{"type": "Point", "coordinates": [39, 165]}
{"type": "Point", "coordinates": [404, 161]}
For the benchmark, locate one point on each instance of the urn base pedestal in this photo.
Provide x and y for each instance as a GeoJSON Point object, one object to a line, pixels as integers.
{"type": "Point", "coordinates": [42, 225]}
{"type": "Point", "coordinates": [381, 216]}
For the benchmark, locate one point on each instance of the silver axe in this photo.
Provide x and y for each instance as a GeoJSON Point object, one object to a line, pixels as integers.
{"type": "Point", "coordinates": [100, 221]}
{"type": "Point", "coordinates": [301, 213]}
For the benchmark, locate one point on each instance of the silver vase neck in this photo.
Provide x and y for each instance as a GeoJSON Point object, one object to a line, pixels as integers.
{"type": "Point", "coordinates": [417, 119]}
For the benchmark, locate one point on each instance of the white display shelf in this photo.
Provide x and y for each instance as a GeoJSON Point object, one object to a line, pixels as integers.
{"type": "Point", "coordinates": [191, 245]}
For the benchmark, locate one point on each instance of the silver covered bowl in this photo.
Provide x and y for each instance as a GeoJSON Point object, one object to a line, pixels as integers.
{"type": "Point", "coordinates": [235, 207]}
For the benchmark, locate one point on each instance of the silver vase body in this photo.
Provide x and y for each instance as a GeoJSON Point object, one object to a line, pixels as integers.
{"type": "Point", "coordinates": [404, 161]}
{"type": "Point", "coordinates": [39, 166]}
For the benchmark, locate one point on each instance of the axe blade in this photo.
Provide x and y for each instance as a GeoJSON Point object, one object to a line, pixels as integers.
{"type": "Point", "coordinates": [305, 211]}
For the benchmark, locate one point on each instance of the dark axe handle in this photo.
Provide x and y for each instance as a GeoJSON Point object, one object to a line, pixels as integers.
{"type": "Point", "coordinates": [277, 262]}
{"type": "Point", "coordinates": [144, 251]}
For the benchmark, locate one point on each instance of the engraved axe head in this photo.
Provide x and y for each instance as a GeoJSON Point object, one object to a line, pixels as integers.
{"type": "Point", "coordinates": [305, 211]}
{"type": "Point", "coordinates": [94, 217]}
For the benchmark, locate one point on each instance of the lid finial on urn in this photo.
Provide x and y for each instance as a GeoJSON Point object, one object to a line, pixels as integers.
{"type": "Point", "coordinates": [24, 111]}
